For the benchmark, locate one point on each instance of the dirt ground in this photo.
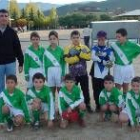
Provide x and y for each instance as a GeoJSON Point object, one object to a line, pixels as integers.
{"type": "Point", "coordinates": [95, 130]}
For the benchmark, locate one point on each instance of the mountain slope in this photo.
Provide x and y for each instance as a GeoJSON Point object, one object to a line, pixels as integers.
{"type": "Point", "coordinates": [109, 5]}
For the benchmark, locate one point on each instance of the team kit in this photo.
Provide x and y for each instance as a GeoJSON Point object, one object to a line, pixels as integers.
{"type": "Point", "coordinates": [59, 93]}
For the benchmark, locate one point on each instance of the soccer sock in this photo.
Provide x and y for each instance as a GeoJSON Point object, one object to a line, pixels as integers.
{"type": "Point", "coordinates": [81, 114]}
{"type": "Point", "coordinates": [36, 115]}
{"type": "Point", "coordinates": [7, 117]}
{"type": "Point", "coordinates": [108, 113]}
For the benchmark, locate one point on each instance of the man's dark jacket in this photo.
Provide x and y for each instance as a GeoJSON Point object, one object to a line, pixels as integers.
{"type": "Point", "coordinates": [10, 47]}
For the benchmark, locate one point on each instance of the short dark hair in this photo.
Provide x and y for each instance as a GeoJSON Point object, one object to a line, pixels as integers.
{"type": "Point", "coordinates": [53, 33]}
{"type": "Point", "coordinates": [136, 79]}
{"type": "Point", "coordinates": [11, 77]}
{"type": "Point", "coordinates": [38, 76]}
{"type": "Point", "coordinates": [109, 78]}
{"type": "Point", "coordinates": [4, 11]}
{"type": "Point", "coordinates": [34, 34]}
{"type": "Point", "coordinates": [69, 77]}
{"type": "Point", "coordinates": [75, 32]}
{"type": "Point", "coordinates": [122, 31]}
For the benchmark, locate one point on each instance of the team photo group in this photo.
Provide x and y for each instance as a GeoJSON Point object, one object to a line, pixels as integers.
{"type": "Point", "coordinates": [58, 82]}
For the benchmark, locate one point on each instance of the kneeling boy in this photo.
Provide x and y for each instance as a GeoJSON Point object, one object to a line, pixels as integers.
{"type": "Point", "coordinates": [131, 113]}
{"type": "Point", "coordinates": [40, 101]}
{"type": "Point", "coordinates": [13, 106]}
{"type": "Point", "coordinates": [71, 103]}
{"type": "Point", "coordinates": [110, 99]}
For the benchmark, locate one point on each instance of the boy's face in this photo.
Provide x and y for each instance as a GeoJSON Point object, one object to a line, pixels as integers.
{"type": "Point", "coordinates": [75, 39]}
{"type": "Point", "coordinates": [35, 41]}
{"type": "Point", "coordinates": [11, 84]}
{"type": "Point", "coordinates": [4, 19]}
{"type": "Point", "coordinates": [69, 84]}
{"type": "Point", "coordinates": [120, 38]}
{"type": "Point", "coordinates": [38, 83]}
{"type": "Point", "coordinates": [101, 41]}
{"type": "Point", "coordinates": [135, 87]}
{"type": "Point", "coordinates": [108, 85]}
{"type": "Point", "coordinates": [53, 40]}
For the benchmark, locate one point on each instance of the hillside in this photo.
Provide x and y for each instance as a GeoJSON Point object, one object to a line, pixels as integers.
{"type": "Point", "coordinates": [109, 5]}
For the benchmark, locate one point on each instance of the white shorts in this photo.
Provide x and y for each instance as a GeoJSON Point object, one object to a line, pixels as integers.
{"type": "Point", "coordinates": [32, 72]}
{"type": "Point", "coordinates": [44, 107]}
{"type": "Point", "coordinates": [54, 77]}
{"type": "Point", "coordinates": [15, 112]}
{"type": "Point", "coordinates": [123, 74]}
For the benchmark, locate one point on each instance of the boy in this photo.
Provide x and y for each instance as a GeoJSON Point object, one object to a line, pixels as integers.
{"type": "Point", "coordinates": [13, 106]}
{"type": "Point", "coordinates": [71, 103]}
{"type": "Point", "coordinates": [33, 58]}
{"type": "Point", "coordinates": [124, 51]}
{"type": "Point", "coordinates": [54, 64]}
{"type": "Point", "coordinates": [76, 56]}
{"type": "Point", "coordinates": [110, 99]}
{"type": "Point", "coordinates": [40, 100]}
{"type": "Point", "coordinates": [131, 113]}
{"type": "Point", "coordinates": [103, 58]}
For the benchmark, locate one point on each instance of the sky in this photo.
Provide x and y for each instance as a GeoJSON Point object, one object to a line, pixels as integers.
{"type": "Point", "coordinates": [58, 1]}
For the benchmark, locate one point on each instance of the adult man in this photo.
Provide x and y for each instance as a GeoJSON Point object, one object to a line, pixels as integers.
{"type": "Point", "coordinates": [10, 49]}
{"type": "Point", "coordinates": [86, 34]}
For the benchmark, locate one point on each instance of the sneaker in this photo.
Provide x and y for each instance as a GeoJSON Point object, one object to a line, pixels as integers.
{"type": "Point", "coordinates": [82, 123]}
{"type": "Point", "coordinates": [36, 125]}
{"type": "Point", "coordinates": [10, 125]}
{"type": "Point", "coordinates": [89, 109]}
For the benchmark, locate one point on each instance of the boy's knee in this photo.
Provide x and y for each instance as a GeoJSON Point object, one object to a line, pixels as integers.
{"type": "Point", "coordinates": [123, 118]}
{"type": "Point", "coordinates": [82, 106]}
{"type": "Point", "coordinates": [5, 110]}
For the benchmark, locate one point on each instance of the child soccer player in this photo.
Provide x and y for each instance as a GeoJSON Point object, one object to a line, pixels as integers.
{"type": "Point", "coordinates": [40, 101]}
{"type": "Point", "coordinates": [103, 57]}
{"type": "Point", "coordinates": [13, 106]}
{"type": "Point", "coordinates": [71, 103]}
{"type": "Point", "coordinates": [124, 51]}
{"type": "Point", "coordinates": [54, 64]}
{"type": "Point", "coordinates": [76, 56]}
{"type": "Point", "coordinates": [131, 113]}
{"type": "Point", "coordinates": [110, 99]}
{"type": "Point", "coordinates": [33, 58]}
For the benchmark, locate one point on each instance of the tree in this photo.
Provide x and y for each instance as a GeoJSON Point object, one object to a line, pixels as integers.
{"type": "Point", "coordinates": [105, 17]}
{"type": "Point", "coordinates": [76, 20]}
{"type": "Point", "coordinates": [23, 13]}
{"type": "Point", "coordinates": [14, 9]}
{"type": "Point", "coordinates": [53, 18]}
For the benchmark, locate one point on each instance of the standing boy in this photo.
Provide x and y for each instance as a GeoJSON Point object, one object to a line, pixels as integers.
{"type": "Point", "coordinates": [103, 57]}
{"type": "Point", "coordinates": [76, 56]}
{"type": "Point", "coordinates": [125, 51]}
{"type": "Point", "coordinates": [33, 58]}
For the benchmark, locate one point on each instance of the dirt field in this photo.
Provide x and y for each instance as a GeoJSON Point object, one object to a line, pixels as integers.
{"type": "Point", "coordinates": [95, 130]}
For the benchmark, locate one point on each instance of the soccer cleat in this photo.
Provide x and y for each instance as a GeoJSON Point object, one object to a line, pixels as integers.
{"type": "Point", "coordinates": [10, 125]}
{"type": "Point", "coordinates": [36, 125]}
